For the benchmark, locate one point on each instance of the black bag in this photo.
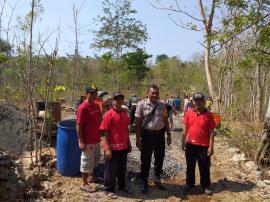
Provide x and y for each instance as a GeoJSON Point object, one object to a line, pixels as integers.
{"type": "Point", "coordinates": [149, 117]}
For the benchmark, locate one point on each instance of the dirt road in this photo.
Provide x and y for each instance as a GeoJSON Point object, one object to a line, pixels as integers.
{"type": "Point", "coordinates": [233, 179]}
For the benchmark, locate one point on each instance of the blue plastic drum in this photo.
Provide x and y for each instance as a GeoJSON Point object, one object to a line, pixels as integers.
{"type": "Point", "coordinates": [67, 148]}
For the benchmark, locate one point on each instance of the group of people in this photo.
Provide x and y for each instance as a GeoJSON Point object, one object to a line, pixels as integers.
{"type": "Point", "coordinates": [173, 106]}
{"type": "Point", "coordinates": [151, 119]}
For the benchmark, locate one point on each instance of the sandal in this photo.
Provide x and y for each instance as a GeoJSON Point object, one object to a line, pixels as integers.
{"type": "Point", "coordinates": [87, 188]}
{"type": "Point", "coordinates": [112, 195]}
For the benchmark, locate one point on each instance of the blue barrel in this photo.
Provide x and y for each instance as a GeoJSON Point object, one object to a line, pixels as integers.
{"type": "Point", "coordinates": [67, 148]}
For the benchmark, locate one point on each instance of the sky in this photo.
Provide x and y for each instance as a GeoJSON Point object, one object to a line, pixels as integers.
{"type": "Point", "coordinates": [164, 36]}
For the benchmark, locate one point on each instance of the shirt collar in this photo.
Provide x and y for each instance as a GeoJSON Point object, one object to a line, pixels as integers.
{"type": "Point", "coordinates": [150, 103]}
{"type": "Point", "coordinates": [116, 110]}
{"type": "Point", "coordinates": [204, 111]}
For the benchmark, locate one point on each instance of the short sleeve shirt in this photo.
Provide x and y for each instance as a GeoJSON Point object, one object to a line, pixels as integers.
{"type": "Point", "coordinates": [177, 102]}
{"type": "Point", "coordinates": [89, 118]}
{"type": "Point", "coordinates": [170, 101]}
{"type": "Point", "coordinates": [198, 126]}
{"type": "Point", "coordinates": [145, 107]}
{"type": "Point", "coordinates": [116, 124]}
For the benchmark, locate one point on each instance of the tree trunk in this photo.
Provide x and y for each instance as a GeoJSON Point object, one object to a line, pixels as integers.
{"type": "Point", "coordinates": [5, 81]}
{"type": "Point", "coordinates": [221, 89]}
{"type": "Point", "coordinates": [208, 23]}
{"type": "Point", "coordinates": [252, 102]}
{"type": "Point", "coordinates": [262, 156]}
{"type": "Point", "coordinates": [209, 75]}
{"type": "Point", "coordinates": [259, 94]}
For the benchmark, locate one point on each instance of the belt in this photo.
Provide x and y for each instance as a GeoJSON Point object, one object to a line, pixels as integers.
{"type": "Point", "coordinates": [161, 131]}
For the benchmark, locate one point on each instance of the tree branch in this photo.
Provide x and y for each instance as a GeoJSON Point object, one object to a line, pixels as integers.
{"type": "Point", "coordinates": [182, 26]}
{"type": "Point", "coordinates": [211, 16]}
{"type": "Point", "coordinates": [178, 10]}
{"type": "Point", "coordinates": [203, 13]}
{"type": "Point", "coordinates": [239, 32]}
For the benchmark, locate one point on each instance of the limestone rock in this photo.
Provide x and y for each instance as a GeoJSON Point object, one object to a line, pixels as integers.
{"type": "Point", "coordinates": [13, 126]}
{"type": "Point", "coordinates": [261, 184]}
{"type": "Point", "coordinates": [234, 150]}
{"type": "Point", "coordinates": [11, 185]}
{"type": "Point", "coordinates": [239, 157]}
{"type": "Point", "coordinates": [251, 165]}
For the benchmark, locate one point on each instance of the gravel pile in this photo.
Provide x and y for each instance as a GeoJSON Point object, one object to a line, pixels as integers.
{"type": "Point", "coordinates": [171, 167]}
{"type": "Point", "coordinates": [13, 129]}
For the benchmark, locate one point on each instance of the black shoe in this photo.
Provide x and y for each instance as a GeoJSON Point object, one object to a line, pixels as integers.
{"type": "Point", "coordinates": [158, 183]}
{"type": "Point", "coordinates": [187, 187]}
{"type": "Point", "coordinates": [144, 189]}
{"type": "Point", "coordinates": [125, 190]}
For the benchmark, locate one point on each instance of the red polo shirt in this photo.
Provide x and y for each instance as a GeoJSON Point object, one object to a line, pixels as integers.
{"type": "Point", "coordinates": [89, 118]}
{"type": "Point", "coordinates": [116, 124]}
{"type": "Point", "coordinates": [198, 126]}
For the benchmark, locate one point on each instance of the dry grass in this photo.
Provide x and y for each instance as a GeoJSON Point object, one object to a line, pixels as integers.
{"type": "Point", "coordinates": [245, 136]}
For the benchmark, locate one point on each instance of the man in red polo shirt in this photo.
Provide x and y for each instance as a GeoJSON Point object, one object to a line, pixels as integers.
{"type": "Point", "coordinates": [198, 142]}
{"type": "Point", "coordinates": [117, 144]}
{"type": "Point", "coordinates": [88, 123]}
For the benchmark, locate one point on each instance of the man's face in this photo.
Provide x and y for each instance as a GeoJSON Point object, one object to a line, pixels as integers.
{"type": "Point", "coordinates": [153, 94]}
{"type": "Point", "coordinates": [119, 101]}
{"type": "Point", "coordinates": [92, 96]}
{"type": "Point", "coordinates": [199, 104]}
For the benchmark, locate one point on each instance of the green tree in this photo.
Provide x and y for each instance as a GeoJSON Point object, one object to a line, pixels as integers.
{"type": "Point", "coordinates": [251, 18]}
{"type": "Point", "coordinates": [118, 31]}
{"type": "Point", "coordinates": [136, 65]}
{"type": "Point", "coordinates": [161, 57]}
{"type": "Point", "coordinates": [5, 47]}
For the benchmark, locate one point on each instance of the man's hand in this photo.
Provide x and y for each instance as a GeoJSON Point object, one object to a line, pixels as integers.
{"type": "Point", "coordinates": [108, 154]}
{"type": "Point", "coordinates": [184, 145]}
{"type": "Point", "coordinates": [129, 147]}
{"type": "Point", "coordinates": [210, 151]}
{"type": "Point", "coordinates": [169, 140]}
{"type": "Point", "coordinates": [82, 146]}
{"type": "Point", "coordinates": [139, 144]}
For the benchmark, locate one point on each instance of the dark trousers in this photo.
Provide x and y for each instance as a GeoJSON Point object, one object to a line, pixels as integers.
{"type": "Point", "coordinates": [197, 153]}
{"type": "Point", "coordinates": [152, 141]}
{"type": "Point", "coordinates": [115, 168]}
{"type": "Point", "coordinates": [132, 113]}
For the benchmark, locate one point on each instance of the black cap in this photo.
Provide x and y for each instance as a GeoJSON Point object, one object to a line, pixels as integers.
{"type": "Point", "coordinates": [198, 96]}
{"type": "Point", "coordinates": [118, 94]}
{"type": "Point", "coordinates": [91, 88]}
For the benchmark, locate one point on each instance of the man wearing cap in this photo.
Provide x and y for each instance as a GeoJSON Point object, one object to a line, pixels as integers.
{"type": "Point", "coordinates": [198, 142]}
{"type": "Point", "coordinates": [151, 124]}
{"type": "Point", "coordinates": [116, 144]}
{"type": "Point", "coordinates": [88, 122]}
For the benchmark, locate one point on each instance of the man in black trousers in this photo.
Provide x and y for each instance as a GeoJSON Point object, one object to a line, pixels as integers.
{"type": "Point", "coordinates": [151, 124]}
{"type": "Point", "coordinates": [198, 143]}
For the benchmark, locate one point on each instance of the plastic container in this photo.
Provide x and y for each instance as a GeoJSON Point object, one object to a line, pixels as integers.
{"type": "Point", "coordinates": [67, 148]}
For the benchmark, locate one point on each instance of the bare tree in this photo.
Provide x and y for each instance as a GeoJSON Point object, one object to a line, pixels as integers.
{"type": "Point", "coordinates": [48, 81]}
{"type": "Point", "coordinates": [29, 85]}
{"type": "Point", "coordinates": [204, 23]}
{"type": "Point", "coordinates": [28, 75]}
{"type": "Point", "coordinates": [76, 68]}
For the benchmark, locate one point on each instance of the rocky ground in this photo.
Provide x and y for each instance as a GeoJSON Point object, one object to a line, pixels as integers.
{"type": "Point", "coordinates": [234, 178]}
